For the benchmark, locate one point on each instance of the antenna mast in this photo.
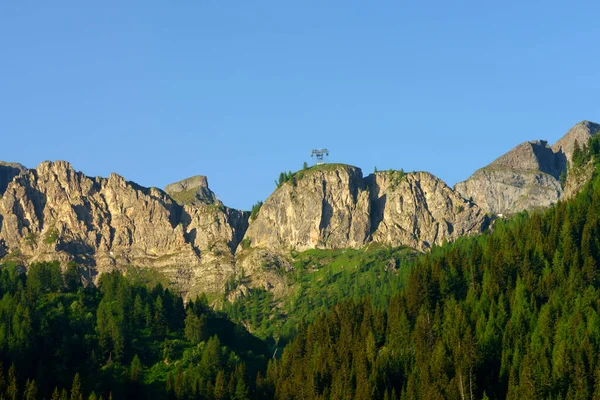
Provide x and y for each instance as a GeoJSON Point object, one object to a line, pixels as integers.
{"type": "Point", "coordinates": [319, 153]}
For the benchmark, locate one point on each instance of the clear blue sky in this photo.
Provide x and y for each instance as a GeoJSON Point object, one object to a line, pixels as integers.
{"type": "Point", "coordinates": [241, 90]}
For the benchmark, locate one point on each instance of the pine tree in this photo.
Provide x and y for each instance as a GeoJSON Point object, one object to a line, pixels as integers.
{"type": "Point", "coordinates": [136, 369]}
{"type": "Point", "coordinates": [220, 386]}
{"type": "Point", "coordinates": [147, 315]}
{"type": "Point", "coordinates": [72, 277]}
{"type": "Point", "coordinates": [13, 389]}
{"type": "Point", "coordinates": [138, 311]}
{"type": "Point", "coordinates": [30, 392]}
{"type": "Point", "coordinates": [169, 383]}
{"type": "Point", "coordinates": [167, 352]}
{"type": "Point", "coordinates": [212, 357]}
{"type": "Point", "coordinates": [178, 383]}
{"type": "Point", "coordinates": [577, 155]}
{"type": "Point", "coordinates": [241, 390]}
{"type": "Point", "coordinates": [2, 380]}
{"type": "Point", "coordinates": [194, 326]}
{"type": "Point", "coordinates": [76, 393]}
{"type": "Point", "coordinates": [159, 322]}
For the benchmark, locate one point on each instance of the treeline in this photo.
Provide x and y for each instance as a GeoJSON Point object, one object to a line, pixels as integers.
{"type": "Point", "coordinates": [117, 340]}
{"type": "Point", "coordinates": [511, 314]}
{"type": "Point", "coordinates": [291, 176]}
{"type": "Point", "coordinates": [284, 177]}
{"type": "Point", "coordinates": [583, 155]}
{"type": "Point", "coordinates": [255, 209]}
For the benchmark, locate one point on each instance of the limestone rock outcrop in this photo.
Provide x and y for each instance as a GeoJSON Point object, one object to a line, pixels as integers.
{"type": "Point", "coordinates": [528, 176]}
{"type": "Point", "coordinates": [510, 190]}
{"type": "Point", "coordinates": [187, 236]}
{"type": "Point", "coordinates": [419, 210]}
{"type": "Point", "coordinates": [333, 206]}
{"type": "Point", "coordinates": [328, 207]}
{"type": "Point", "coordinates": [580, 133]}
{"type": "Point", "coordinates": [7, 172]}
{"type": "Point", "coordinates": [193, 191]}
{"type": "Point", "coordinates": [53, 212]}
{"type": "Point", "coordinates": [532, 156]}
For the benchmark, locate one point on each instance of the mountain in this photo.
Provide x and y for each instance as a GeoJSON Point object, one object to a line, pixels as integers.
{"type": "Point", "coordinates": [332, 206]}
{"type": "Point", "coordinates": [580, 133]}
{"type": "Point", "coordinates": [510, 313]}
{"type": "Point", "coordinates": [53, 212]}
{"type": "Point", "coordinates": [529, 176]}
{"type": "Point", "coordinates": [186, 237]}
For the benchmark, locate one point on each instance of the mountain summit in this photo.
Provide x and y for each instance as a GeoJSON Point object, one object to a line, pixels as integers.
{"type": "Point", "coordinates": [193, 190]}
{"type": "Point", "coordinates": [528, 176]}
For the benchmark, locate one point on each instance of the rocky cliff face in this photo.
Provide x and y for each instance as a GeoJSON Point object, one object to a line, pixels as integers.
{"type": "Point", "coordinates": [7, 172]}
{"type": "Point", "coordinates": [53, 212]}
{"type": "Point", "coordinates": [580, 133]}
{"type": "Point", "coordinates": [510, 190]}
{"type": "Point", "coordinates": [189, 237]}
{"type": "Point", "coordinates": [528, 176]}
{"type": "Point", "coordinates": [419, 210]}
{"type": "Point", "coordinates": [332, 206]}
{"type": "Point", "coordinates": [328, 207]}
{"type": "Point", "coordinates": [532, 156]}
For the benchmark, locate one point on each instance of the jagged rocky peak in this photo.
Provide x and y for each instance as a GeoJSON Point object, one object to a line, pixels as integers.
{"type": "Point", "coordinates": [535, 155]}
{"type": "Point", "coordinates": [8, 171]}
{"type": "Point", "coordinates": [332, 206]}
{"type": "Point", "coordinates": [89, 220]}
{"type": "Point", "coordinates": [527, 177]}
{"type": "Point", "coordinates": [193, 190]}
{"type": "Point", "coordinates": [580, 133]}
{"type": "Point", "coordinates": [419, 210]}
{"type": "Point", "coordinates": [55, 213]}
{"type": "Point", "coordinates": [507, 191]}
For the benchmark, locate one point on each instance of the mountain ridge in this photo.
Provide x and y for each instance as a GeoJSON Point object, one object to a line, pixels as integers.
{"type": "Point", "coordinates": [531, 175]}
{"type": "Point", "coordinates": [184, 233]}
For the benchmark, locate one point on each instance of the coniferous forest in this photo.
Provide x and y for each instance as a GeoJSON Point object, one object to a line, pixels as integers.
{"type": "Point", "coordinates": [513, 313]}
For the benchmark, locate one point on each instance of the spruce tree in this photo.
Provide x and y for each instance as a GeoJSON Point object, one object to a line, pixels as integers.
{"type": "Point", "coordinates": [220, 386]}
{"type": "Point", "coordinates": [30, 392]}
{"type": "Point", "coordinates": [12, 390]}
{"type": "Point", "coordinates": [76, 393]}
{"type": "Point", "coordinates": [136, 369]}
